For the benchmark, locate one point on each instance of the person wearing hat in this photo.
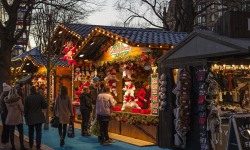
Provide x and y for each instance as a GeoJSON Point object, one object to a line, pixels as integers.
{"type": "Point", "coordinates": [5, 132]}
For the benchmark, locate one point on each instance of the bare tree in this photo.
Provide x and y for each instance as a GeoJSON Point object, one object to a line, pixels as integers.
{"type": "Point", "coordinates": [8, 37]}
{"type": "Point", "coordinates": [184, 11]}
{"type": "Point", "coordinates": [45, 18]}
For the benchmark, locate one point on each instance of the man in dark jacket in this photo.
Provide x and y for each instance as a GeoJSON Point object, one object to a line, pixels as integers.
{"type": "Point", "coordinates": [34, 116]}
{"type": "Point", "coordinates": [85, 108]}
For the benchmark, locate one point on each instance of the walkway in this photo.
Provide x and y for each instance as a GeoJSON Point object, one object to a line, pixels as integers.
{"type": "Point", "coordinates": [50, 140]}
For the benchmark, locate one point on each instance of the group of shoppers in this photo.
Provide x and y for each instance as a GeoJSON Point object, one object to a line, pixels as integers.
{"type": "Point", "coordinates": [14, 108]}
{"type": "Point", "coordinates": [97, 100]}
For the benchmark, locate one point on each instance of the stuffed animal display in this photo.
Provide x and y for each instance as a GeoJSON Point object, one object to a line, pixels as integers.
{"type": "Point", "coordinates": [129, 96]}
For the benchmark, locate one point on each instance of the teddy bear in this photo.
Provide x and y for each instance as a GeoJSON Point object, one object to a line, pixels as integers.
{"type": "Point", "coordinates": [129, 88]}
{"type": "Point", "coordinates": [130, 102]}
{"type": "Point", "coordinates": [126, 71]}
{"type": "Point", "coordinates": [111, 80]}
{"type": "Point", "coordinates": [77, 74]}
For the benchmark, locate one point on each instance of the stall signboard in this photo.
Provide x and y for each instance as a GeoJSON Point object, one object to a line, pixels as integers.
{"type": "Point", "coordinates": [239, 132]}
{"type": "Point", "coordinates": [154, 94]}
{"type": "Point", "coordinates": [120, 49]}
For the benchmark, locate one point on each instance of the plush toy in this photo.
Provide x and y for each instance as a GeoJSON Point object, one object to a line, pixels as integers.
{"type": "Point", "coordinates": [77, 74]}
{"type": "Point", "coordinates": [84, 84]}
{"type": "Point", "coordinates": [111, 79]}
{"type": "Point", "coordinates": [129, 98]}
{"type": "Point", "coordinates": [41, 80]}
{"type": "Point", "coordinates": [129, 102]}
{"type": "Point", "coordinates": [68, 57]}
{"type": "Point", "coordinates": [129, 88]}
{"type": "Point", "coordinates": [87, 71]}
{"type": "Point", "coordinates": [126, 71]}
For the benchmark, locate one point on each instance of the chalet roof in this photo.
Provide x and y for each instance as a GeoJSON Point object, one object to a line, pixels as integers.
{"type": "Point", "coordinates": [206, 44]}
{"type": "Point", "coordinates": [39, 61]}
{"type": "Point", "coordinates": [136, 35]}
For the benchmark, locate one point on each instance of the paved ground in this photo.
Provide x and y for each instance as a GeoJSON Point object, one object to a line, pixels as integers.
{"type": "Point", "coordinates": [17, 143]}
{"type": "Point", "coordinates": [51, 138]}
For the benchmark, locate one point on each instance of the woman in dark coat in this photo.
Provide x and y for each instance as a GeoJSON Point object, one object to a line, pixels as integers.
{"type": "Point", "coordinates": [86, 108]}
{"type": "Point", "coordinates": [144, 96]}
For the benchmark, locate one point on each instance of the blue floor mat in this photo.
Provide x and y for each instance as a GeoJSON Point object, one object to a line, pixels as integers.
{"type": "Point", "coordinates": [51, 138]}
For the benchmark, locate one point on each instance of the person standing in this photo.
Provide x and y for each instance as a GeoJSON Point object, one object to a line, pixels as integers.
{"type": "Point", "coordinates": [63, 110]}
{"type": "Point", "coordinates": [144, 96]}
{"type": "Point", "coordinates": [94, 91]}
{"type": "Point", "coordinates": [104, 104]}
{"type": "Point", "coordinates": [14, 118]}
{"type": "Point", "coordinates": [5, 132]}
{"type": "Point", "coordinates": [85, 108]}
{"type": "Point", "coordinates": [34, 103]}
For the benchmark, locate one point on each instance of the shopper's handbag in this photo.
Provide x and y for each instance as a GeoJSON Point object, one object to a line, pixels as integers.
{"type": "Point", "coordinates": [55, 120]}
{"type": "Point", "coordinates": [71, 131]}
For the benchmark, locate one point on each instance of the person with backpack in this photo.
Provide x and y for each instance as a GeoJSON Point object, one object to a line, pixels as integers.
{"type": "Point", "coordinates": [15, 116]}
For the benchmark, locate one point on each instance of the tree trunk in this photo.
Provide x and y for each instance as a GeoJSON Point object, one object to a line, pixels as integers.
{"type": "Point", "coordinates": [46, 126]}
{"type": "Point", "coordinates": [5, 62]}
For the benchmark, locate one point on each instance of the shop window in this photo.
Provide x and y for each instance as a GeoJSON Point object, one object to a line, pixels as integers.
{"type": "Point", "coordinates": [203, 19]}
{"type": "Point", "coordinates": [212, 7]}
{"type": "Point", "coordinates": [212, 17]}
{"type": "Point", "coordinates": [199, 20]}
{"type": "Point", "coordinates": [219, 13]}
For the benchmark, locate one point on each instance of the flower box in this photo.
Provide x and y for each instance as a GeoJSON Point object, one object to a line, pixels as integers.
{"type": "Point", "coordinates": [145, 111]}
{"type": "Point", "coordinates": [117, 109]}
{"type": "Point", "coordinates": [135, 110]}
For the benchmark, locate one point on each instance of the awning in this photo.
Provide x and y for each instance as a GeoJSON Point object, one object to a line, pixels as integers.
{"type": "Point", "coordinates": [24, 79]}
{"type": "Point", "coordinates": [34, 51]}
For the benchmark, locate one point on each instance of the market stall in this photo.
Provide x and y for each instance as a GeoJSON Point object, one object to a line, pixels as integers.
{"type": "Point", "coordinates": [208, 75]}
{"type": "Point", "coordinates": [125, 60]}
{"type": "Point", "coordinates": [34, 67]}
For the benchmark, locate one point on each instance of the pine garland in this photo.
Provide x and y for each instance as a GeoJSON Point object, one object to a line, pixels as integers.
{"type": "Point", "coordinates": [135, 119]}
